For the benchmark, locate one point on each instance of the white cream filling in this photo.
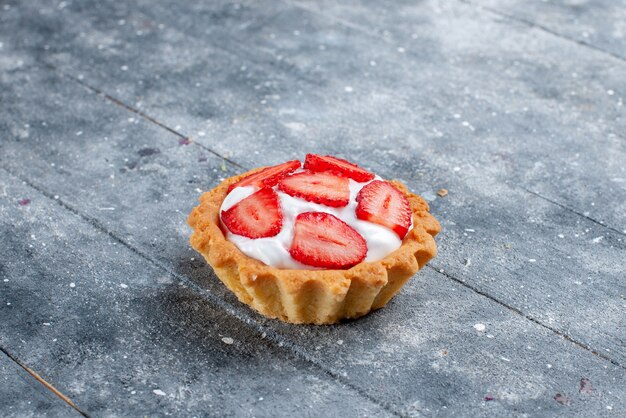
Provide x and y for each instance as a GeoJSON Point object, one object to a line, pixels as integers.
{"type": "Point", "coordinates": [274, 251]}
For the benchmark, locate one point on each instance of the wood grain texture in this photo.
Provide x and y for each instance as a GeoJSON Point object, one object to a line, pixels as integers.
{"type": "Point", "coordinates": [116, 116]}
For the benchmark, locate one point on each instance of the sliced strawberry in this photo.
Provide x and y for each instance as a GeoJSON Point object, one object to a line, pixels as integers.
{"type": "Point", "coordinates": [323, 240]}
{"type": "Point", "coordinates": [326, 188]}
{"type": "Point", "coordinates": [256, 216]}
{"type": "Point", "coordinates": [383, 204]}
{"type": "Point", "coordinates": [316, 162]}
{"type": "Point", "coordinates": [268, 177]}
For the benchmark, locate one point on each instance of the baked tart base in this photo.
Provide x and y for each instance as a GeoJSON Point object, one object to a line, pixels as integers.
{"type": "Point", "coordinates": [311, 296]}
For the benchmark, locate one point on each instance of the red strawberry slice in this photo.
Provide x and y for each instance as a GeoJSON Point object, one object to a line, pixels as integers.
{"type": "Point", "coordinates": [316, 162]}
{"type": "Point", "coordinates": [323, 240]}
{"type": "Point", "coordinates": [256, 216]}
{"type": "Point", "coordinates": [383, 204]}
{"type": "Point", "coordinates": [269, 176]}
{"type": "Point", "coordinates": [326, 188]}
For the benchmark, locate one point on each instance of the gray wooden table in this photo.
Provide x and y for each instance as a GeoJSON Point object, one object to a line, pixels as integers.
{"type": "Point", "coordinates": [114, 116]}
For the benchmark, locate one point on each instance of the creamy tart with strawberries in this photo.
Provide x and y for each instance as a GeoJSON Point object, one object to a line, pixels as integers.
{"type": "Point", "coordinates": [316, 242]}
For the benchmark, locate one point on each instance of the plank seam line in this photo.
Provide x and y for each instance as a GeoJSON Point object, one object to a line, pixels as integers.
{"type": "Point", "coordinates": [245, 318]}
{"type": "Point", "coordinates": [528, 317]}
{"type": "Point", "coordinates": [41, 380]}
{"type": "Point", "coordinates": [141, 114]}
{"type": "Point", "coordinates": [354, 26]}
{"type": "Point", "coordinates": [346, 23]}
{"type": "Point", "coordinates": [544, 29]}
{"type": "Point", "coordinates": [547, 199]}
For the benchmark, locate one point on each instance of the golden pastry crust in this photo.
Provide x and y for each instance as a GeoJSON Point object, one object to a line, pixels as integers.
{"type": "Point", "coordinates": [311, 296]}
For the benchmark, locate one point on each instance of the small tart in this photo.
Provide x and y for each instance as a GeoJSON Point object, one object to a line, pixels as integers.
{"type": "Point", "coordinates": [311, 296]}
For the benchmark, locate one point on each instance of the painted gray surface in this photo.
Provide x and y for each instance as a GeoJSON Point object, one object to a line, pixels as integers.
{"type": "Point", "coordinates": [123, 337]}
{"type": "Point", "coordinates": [22, 396]}
{"type": "Point", "coordinates": [257, 72]}
{"type": "Point", "coordinates": [263, 83]}
{"type": "Point", "coordinates": [434, 362]}
{"type": "Point", "coordinates": [486, 166]}
{"type": "Point", "coordinates": [598, 23]}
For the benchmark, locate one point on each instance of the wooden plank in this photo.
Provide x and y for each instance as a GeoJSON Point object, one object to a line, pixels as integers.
{"type": "Point", "coordinates": [21, 395]}
{"type": "Point", "coordinates": [423, 354]}
{"type": "Point", "coordinates": [599, 24]}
